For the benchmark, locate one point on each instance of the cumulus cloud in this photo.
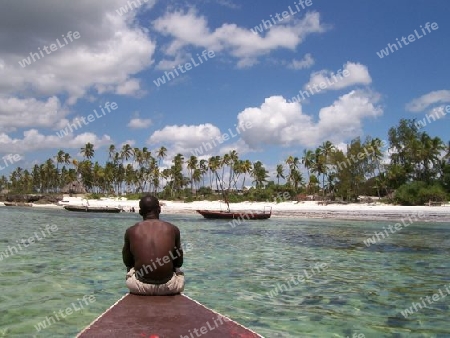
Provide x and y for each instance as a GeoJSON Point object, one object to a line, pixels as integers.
{"type": "Point", "coordinates": [278, 122]}
{"type": "Point", "coordinates": [137, 123]}
{"type": "Point", "coordinates": [130, 87]}
{"type": "Point", "coordinates": [306, 62]}
{"type": "Point", "coordinates": [129, 142]}
{"type": "Point", "coordinates": [189, 29]}
{"type": "Point", "coordinates": [358, 74]}
{"type": "Point", "coordinates": [240, 146]}
{"type": "Point", "coordinates": [185, 137]}
{"type": "Point", "coordinates": [109, 52]}
{"type": "Point", "coordinates": [34, 140]}
{"type": "Point", "coordinates": [427, 100]}
{"type": "Point", "coordinates": [201, 140]}
{"type": "Point", "coordinates": [29, 112]}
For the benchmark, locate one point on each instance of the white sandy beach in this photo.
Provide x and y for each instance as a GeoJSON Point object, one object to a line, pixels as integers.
{"type": "Point", "coordinates": [308, 209]}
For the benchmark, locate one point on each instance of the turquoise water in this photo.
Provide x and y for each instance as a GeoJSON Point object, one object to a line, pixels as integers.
{"type": "Point", "coordinates": [349, 288]}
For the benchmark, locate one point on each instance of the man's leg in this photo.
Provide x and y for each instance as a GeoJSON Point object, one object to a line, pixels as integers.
{"type": "Point", "coordinates": [137, 287]}
{"type": "Point", "coordinates": [173, 286]}
{"type": "Point", "coordinates": [176, 284]}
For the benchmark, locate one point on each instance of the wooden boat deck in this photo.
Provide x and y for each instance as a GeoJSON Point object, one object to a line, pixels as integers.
{"type": "Point", "coordinates": [163, 317]}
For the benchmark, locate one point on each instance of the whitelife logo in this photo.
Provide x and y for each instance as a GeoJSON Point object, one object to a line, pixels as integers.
{"type": "Point", "coordinates": [71, 127]}
{"type": "Point", "coordinates": [129, 7]}
{"type": "Point", "coordinates": [168, 76]}
{"type": "Point", "coordinates": [411, 38]}
{"type": "Point", "coordinates": [267, 24]}
{"type": "Point", "coordinates": [9, 160]}
{"type": "Point", "coordinates": [53, 47]}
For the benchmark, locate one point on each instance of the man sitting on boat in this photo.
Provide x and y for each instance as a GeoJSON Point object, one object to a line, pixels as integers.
{"type": "Point", "coordinates": [152, 253]}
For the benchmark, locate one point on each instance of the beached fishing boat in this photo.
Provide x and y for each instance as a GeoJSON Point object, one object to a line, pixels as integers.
{"type": "Point", "coordinates": [17, 204]}
{"type": "Point", "coordinates": [227, 214]}
{"type": "Point", "coordinates": [82, 208]}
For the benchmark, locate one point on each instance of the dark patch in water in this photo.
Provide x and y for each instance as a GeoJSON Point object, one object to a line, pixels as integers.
{"type": "Point", "coordinates": [312, 300]}
{"type": "Point", "coordinates": [338, 301]}
{"type": "Point", "coordinates": [387, 247]}
{"type": "Point", "coordinates": [314, 318]}
{"type": "Point", "coordinates": [398, 321]}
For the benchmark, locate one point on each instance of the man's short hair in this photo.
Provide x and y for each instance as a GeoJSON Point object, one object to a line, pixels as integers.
{"type": "Point", "coordinates": [149, 203]}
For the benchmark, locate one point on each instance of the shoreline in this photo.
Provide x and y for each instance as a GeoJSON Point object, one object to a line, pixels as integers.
{"type": "Point", "coordinates": [303, 210]}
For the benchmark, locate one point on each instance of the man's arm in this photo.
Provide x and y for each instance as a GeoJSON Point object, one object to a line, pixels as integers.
{"type": "Point", "coordinates": [178, 261]}
{"type": "Point", "coordinates": [127, 256]}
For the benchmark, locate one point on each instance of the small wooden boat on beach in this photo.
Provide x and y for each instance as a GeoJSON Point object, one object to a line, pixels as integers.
{"type": "Point", "coordinates": [227, 214]}
{"type": "Point", "coordinates": [17, 204]}
{"type": "Point", "coordinates": [163, 316]}
{"type": "Point", "coordinates": [82, 208]}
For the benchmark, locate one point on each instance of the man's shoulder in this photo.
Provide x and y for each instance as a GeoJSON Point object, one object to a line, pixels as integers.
{"type": "Point", "coordinates": [168, 224]}
{"type": "Point", "coordinates": [134, 226]}
{"type": "Point", "coordinates": [154, 221]}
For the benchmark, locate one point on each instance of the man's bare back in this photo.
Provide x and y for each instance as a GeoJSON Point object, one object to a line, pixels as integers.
{"type": "Point", "coordinates": [152, 247]}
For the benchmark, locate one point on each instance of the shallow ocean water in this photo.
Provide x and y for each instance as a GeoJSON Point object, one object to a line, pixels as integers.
{"type": "Point", "coordinates": [346, 288]}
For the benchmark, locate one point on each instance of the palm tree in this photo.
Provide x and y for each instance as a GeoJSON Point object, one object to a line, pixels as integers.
{"type": "Point", "coordinates": [196, 178]}
{"type": "Point", "coordinates": [225, 162]}
{"type": "Point", "coordinates": [292, 163]}
{"type": "Point", "coordinates": [280, 173]}
{"type": "Point", "coordinates": [246, 169]}
{"type": "Point", "coordinates": [98, 174]}
{"type": "Point", "coordinates": [88, 151]}
{"type": "Point", "coordinates": [203, 169]}
{"type": "Point", "coordinates": [213, 165]}
{"type": "Point", "coordinates": [192, 166]}
{"type": "Point", "coordinates": [375, 157]}
{"type": "Point", "coordinates": [59, 159]}
{"type": "Point", "coordinates": [447, 150]}
{"type": "Point", "coordinates": [126, 152]}
{"type": "Point", "coordinates": [325, 150]}
{"type": "Point", "coordinates": [259, 174]}
{"type": "Point", "coordinates": [162, 152]}
{"type": "Point", "coordinates": [67, 158]}
{"type": "Point", "coordinates": [319, 165]}
{"type": "Point", "coordinates": [112, 151]}
{"type": "Point", "coordinates": [296, 178]}
{"type": "Point", "coordinates": [308, 160]}
{"type": "Point", "coordinates": [177, 173]}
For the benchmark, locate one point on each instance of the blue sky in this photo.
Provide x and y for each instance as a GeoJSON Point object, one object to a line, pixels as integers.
{"type": "Point", "coordinates": [251, 78]}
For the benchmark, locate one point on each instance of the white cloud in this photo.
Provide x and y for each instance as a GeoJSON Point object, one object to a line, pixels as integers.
{"type": "Point", "coordinates": [423, 102]}
{"type": "Point", "coordinates": [185, 137]}
{"type": "Point", "coordinates": [110, 50]}
{"type": "Point", "coordinates": [358, 74]}
{"type": "Point", "coordinates": [306, 62]}
{"type": "Point", "coordinates": [33, 140]}
{"type": "Point", "coordinates": [180, 58]}
{"type": "Point", "coordinates": [189, 29]}
{"type": "Point", "coordinates": [278, 122]}
{"type": "Point", "coordinates": [131, 143]}
{"type": "Point", "coordinates": [22, 113]}
{"type": "Point", "coordinates": [130, 87]}
{"type": "Point", "coordinates": [202, 140]}
{"type": "Point", "coordinates": [137, 123]}
{"type": "Point", "coordinates": [240, 146]}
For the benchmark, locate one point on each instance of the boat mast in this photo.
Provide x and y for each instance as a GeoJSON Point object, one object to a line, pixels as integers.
{"type": "Point", "coordinates": [223, 193]}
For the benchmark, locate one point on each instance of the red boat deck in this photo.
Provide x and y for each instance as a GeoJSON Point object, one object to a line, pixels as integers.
{"type": "Point", "coordinates": [163, 317]}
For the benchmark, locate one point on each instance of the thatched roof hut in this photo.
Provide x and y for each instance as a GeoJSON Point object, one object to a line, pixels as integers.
{"type": "Point", "coordinates": [75, 187]}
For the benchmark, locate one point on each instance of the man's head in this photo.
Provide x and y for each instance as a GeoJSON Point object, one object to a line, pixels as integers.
{"type": "Point", "coordinates": [149, 205]}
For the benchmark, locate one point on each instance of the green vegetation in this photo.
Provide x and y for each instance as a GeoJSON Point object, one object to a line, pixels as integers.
{"type": "Point", "coordinates": [415, 171]}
